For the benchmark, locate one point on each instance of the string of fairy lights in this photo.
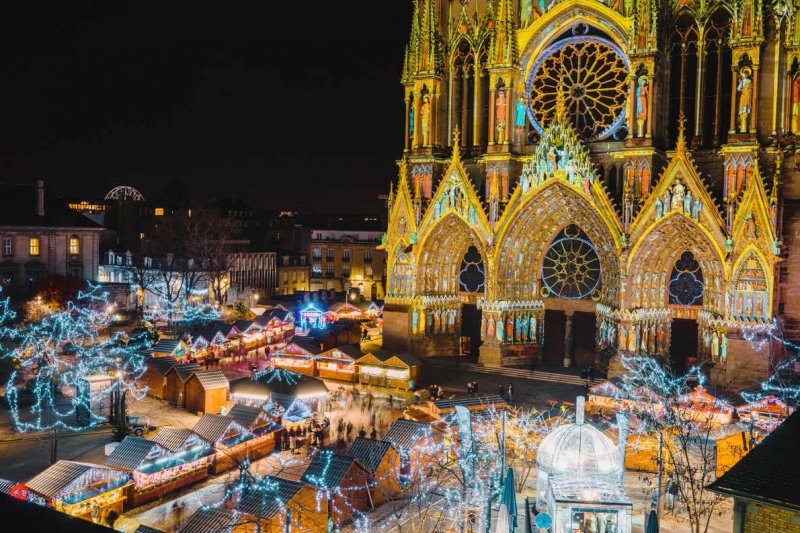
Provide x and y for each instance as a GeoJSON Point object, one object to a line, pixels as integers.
{"type": "Point", "coordinates": [59, 359]}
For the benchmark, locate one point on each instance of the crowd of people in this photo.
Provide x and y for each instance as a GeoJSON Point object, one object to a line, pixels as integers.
{"type": "Point", "coordinates": [308, 435]}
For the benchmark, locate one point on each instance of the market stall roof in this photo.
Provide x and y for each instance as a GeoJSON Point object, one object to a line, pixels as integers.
{"type": "Point", "coordinates": [301, 346]}
{"type": "Point", "coordinates": [327, 469]}
{"type": "Point", "coordinates": [770, 473]}
{"type": "Point", "coordinates": [280, 381]}
{"type": "Point", "coordinates": [383, 357]}
{"type": "Point", "coordinates": [478, 400]}
{"type": "Point", "coordinates": [700, 397]}
{"type": "Point", "coordinates": [344, 308]}
{"type": "Point", "coordinates": [169, 346]}
{"type": "Point", "coordinates": [277, 492]}
{"type": "Point", "coordinates": [603, 490]}
{"type": "Point", "coordinates": [211, 335]}
{"type": "Point", "coordinates": [404, 434]}
{"type": "Point", "coordinates": [245, 326]}
{"type": "Point", "coordinates": [173, 439]}
{"type": "Point", "coordinates": [212, 379]}
{"type": "Point", "coordinates": [132, 452]}
{"type": "Point", "coordinates": [209, 521]}
{"type": "Point", "coordinates": [245, 415]}
{"type": "Point", "coordinates": [147, 529]}
{"type": "Point", "coordinates": [228, 330]}
{"type": "Point", "coordinates": [768, 405]}
{"type": "Point", "coordinates": [369, 452]}
{"type": "Point", "coordinates": [161, 364]}
{"type": "Point", "coordinates": [212, 427]}
{"type": "Point", "coordinates": [55, 480]}
{"type": "Point", "coordinates": [184, 372]}
{"type": "Point", "coordinates": [350, 351]}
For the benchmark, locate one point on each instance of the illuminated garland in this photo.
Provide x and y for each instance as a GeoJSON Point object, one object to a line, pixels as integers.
{"type": "Point", "coordinates": [56, 356]}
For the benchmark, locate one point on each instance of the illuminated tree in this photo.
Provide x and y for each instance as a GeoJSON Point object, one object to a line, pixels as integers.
{"type": "Point", "coordinates": [59, 358]}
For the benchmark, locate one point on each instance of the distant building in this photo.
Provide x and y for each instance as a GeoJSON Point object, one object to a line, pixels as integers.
{"type": "Point", "coordinates": [294, 273]}
{"type": "Point", "coordinates": [254, 271]}
{"type": "Point", "coordinates": [40, 237]}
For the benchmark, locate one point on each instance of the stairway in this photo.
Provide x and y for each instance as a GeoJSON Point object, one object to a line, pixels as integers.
{"type": "Point", "coordinates": [535, 375]}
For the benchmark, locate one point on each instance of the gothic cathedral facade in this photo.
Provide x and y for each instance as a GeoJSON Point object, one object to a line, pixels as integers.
{"type": "Point", "coordinates": [583, 179]}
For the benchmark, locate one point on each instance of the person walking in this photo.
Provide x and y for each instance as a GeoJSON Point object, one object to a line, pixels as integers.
{"type": "Point", "coordinates": [373, 434]}
{"type": "Point", "coordinates": [510, 392]}
{"type": "Point", "coordinates": [672, 493]}
{"type": "Point", "coordinates": [361, 432]}
{"type": "Point", "coordinates": [349, 430]}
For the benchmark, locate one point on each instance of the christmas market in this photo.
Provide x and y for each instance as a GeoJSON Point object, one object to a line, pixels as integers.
{"type": "Point", "coordinates": [339, 363]}
{"type": "Point", "coordinates": [297, 356]}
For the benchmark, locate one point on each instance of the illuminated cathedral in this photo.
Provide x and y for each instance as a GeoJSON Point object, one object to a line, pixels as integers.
{"type": "Point", "coordinates": [583, 179]}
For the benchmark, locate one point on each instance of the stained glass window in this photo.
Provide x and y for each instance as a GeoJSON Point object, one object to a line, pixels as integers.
{"type": "Point", "coordinates": [686, 281]}
{"type": "Point", "coordinates": [472, 277]}
{"type": "Point", "coordinates": [571, 268]}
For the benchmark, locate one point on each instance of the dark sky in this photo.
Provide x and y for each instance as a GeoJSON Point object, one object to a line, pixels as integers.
{"type": "Point", "coordinates": [288, 104]}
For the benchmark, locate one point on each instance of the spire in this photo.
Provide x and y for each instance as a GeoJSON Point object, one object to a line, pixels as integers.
{"type": "Point", "coordinates": [680, 147]}
{"type": "Point", "coordinates": [504, 40]}
{"type": "Point", "coordinates": [429, 60]}
{"type": "Point", "coordinates": [413, 48]}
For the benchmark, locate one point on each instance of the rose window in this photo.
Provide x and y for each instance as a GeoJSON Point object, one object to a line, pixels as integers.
{"type": "Point", "coordinates": [592, 74]}
{"type": "Point", "coordinates": [571, 268]}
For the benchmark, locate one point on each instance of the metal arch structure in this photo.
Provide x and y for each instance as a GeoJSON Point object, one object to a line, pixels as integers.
{"type": "Point", "coordinates": [124, 192]}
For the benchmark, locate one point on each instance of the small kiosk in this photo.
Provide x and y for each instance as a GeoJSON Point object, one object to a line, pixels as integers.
{"type": "Point", "coordinates": [169, 348]}
{"type": "Point", "coordinates": [84, 490]}
{"type": "Point", "coordinates": [765, 413]}
{"type": "Point", "coordinates": [311, 316]}
{"type": "Point", "coordinates": [340, 363]}
{"type": "Point", "coordinates": [385, 369]}
{"type": "Point", "coordinates": [579, 479]}
{"type": "Point", "coordinates": [297, 356]}
{"type": "Point", "coordinates": [155, 469]}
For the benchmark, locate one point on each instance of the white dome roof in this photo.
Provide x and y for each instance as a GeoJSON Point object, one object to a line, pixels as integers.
{"type": "Point", "coordinates": [578, 448]}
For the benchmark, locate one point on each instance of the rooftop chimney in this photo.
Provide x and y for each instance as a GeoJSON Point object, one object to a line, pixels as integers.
{"type": "Point", "coordinates": [40, 197]}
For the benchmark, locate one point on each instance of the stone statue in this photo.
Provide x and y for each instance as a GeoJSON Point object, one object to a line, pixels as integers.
{"type": "Point", "coordinates": [745, 90]}
{"type": "Point", "coordinates": [490, 328]}
{"type": "Point", "coordinates": [750, 228]}
{"type": "Point", "coordinates": [642, 93]}
{"type": "Point", "coordinates": [500, 115]}
{"type": "Point", "coordinates": [796, 105]}
{"type": "Point", "coordinates": [500, 328]}
{"type": "Point", "coordinates": [723, 348]}
{"type": "Point", "coordinates": [520, 109]}
{"type": "Point", "coordinates": [697, 206]}
{"type": "Point", "coordinates": [715, 346]}
{"type": "Point", "coordinates": [659, 208]}
{"type": "Point", "coordinates": [668, 201]}
{"type": "Point", "coordinates": [411, 122]}
{"type": "Point", "coordinates": [425, 117]}
{"type": "Point", "coordinates": [532, 329]}
{"type": "Point", "coordinates": [414, 319]}
{"type": "Point", "coordinates": [687, 203]}
{"type": "Point", "coordinates": [678, 194]}
{"type": "Point", "coordinates": [586, 186]}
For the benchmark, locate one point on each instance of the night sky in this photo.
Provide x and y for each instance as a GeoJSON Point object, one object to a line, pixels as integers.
{"type": "Point", "coordinates": [287, 104]}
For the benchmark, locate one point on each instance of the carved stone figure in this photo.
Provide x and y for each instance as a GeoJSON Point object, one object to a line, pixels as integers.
{"type": "Point", "coordinates": [642, 94]}
{"type": "Point", "coordinates": [678, 194]}
{"type": "Point", "coordinates": [500, 115]}
{"type": "Point", "coordinates": [745, 91]}
{"type": "Point", "coordinates": [659, 208]}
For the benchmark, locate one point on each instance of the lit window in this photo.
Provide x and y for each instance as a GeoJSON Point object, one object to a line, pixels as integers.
{"type": "Point", "coordinates": [74, 246]}
{"type": "Point", "coordinates": [317, 269]}
{"type": "Point", "coordinates": [368, 271]}
{"type": "Point", "coordinates": [33, 246]}
{"type": "Point", "coordinates": [330, 254]}
{"type": "Point", "coordinates": [367, 255]}
{"type": "Point", "coordinates": [159, 212]}
{"type": "Point", "coordinates": [7, 246]}
{"type": "Point", "coordinates": [330, 270]}
{"type": "Point", "coordinates": [317, 253]}
{"type": "Point", "coordinates": [189, 213]}
{"type": "Point", "coordinates": [346, 254]}
{"type": "Point", "coordinates": [346, 271]}
{"type": "Point", "coordinates": [141, 236]}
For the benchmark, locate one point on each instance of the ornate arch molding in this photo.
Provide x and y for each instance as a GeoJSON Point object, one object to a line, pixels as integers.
{"type": "Point", "coordinates": [523, 240]}
{"type": "Point", "coordinates": [543, 30]}
{"type": "Point", "coordinates": [655, 253]}
{"type": "Point", "coordinates": [440, 254]}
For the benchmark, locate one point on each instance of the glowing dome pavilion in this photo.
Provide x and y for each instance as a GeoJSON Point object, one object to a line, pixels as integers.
{"type": "Point", "coordinates": [579, 478]}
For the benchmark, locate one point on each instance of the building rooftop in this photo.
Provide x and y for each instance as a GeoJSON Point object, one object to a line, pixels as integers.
{"type": "Point", "coordinates": [212, 379]}
{"type": "Point", "coordinates": [209, 521]}
{"type": "Point", "coordinates": [278, 381]}
{"type": "Point", "coordinates": [492, 400]}
{"type": "Point", "coordinates": [770, 473]}
{"type": "Point", "coordinates": [172, 439]}
{"type": "Point", "coordinates": [404, 434]}
{"type": "Point", "coordinates": [161, 364]}
{"type": "Point", "coordinates": [212, 428]}
{"type": "Point", "coordinates": [55, 480]}
{"type": "Point", "coordinates": [245, 415]}
{"type": "Point", "coordinates": [327, 469]}
{"type": "Point", "coordinates": [276, 493]}
{"type": "Point", "coordinates": [369, 452]}
{"type": "Point", "coordinates": [18, 208]}
{"type": "Point", "coordinates": [131, 453]}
